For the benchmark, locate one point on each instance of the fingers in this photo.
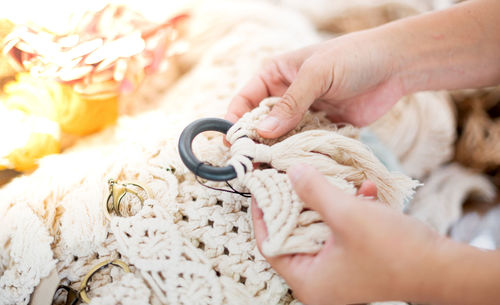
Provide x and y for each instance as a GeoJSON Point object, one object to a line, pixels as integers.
{"type": "Point", "coordinates": [248, 98]}
{"type": "Point", "coordinates": [303, 91]}
{"type": "Point", "coordinates": [259, 226]}
{"type": "Point", "coordinates": [272, 81]}
{"type": "Point", "coordinates": [368, 189]}
{"type": "Point", "coordinates": [289, 266]}
{"type": "Point", "coordinates": [337, 208]}
{"type": "Point", "coordinates": [297, 76]}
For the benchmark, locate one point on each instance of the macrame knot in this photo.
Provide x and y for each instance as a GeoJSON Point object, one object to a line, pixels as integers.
{"type": "Point", "coordinates": [245, 152]}
{"type": "Point", "coordinates": [255, 151]}
{"type": "Point", "coordinates": [263, 153]}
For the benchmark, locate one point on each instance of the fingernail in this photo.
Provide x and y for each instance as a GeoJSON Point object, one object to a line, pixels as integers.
{"type": "Point", "coordinates": [268, 124]}
{"type": "Point", "coordinates": [296, 172]}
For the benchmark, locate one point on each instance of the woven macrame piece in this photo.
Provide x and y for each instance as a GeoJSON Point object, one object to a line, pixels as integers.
{"type": "Point", "coordinates": [22, 262]}
{"type": "Point", "coordinates": [174, 268]}
{"type": "Point", "coordinates": [129, 289]}
{"type": "Point", "coordinates": [333, 150]}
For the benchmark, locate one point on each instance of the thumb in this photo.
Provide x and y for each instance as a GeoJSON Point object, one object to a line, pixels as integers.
{"type": "Point", "coordinates": [337, 208]}
{"type": "Point", "coordinates": [301, 93]}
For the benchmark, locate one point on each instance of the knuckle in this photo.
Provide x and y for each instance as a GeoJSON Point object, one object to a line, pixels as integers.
{"type": "Point", "coordinates": [316, 64]}
{"type": "Point", "coordinates": [271, 66]}
{"type": "Point", "coordinates": [271, 63]}
{"type": "Point", "coordinates": [289, 105]}
{"type": "Point", "coordinates": [311, 63]}
{"type": "Point", "coordinates": [323, 73]}
{"type": "Point", "coordinates": [272, 70]}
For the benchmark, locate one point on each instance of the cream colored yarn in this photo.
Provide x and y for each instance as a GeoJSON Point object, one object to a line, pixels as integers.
{"type": "Point", "coordinates": [23, 262]}
{"type": "Point", "coordinates": [439, 202]}
{"type": "Point", "coordinates": [420, 131]}
{"type": "Point", "coordinates": [344, 160]}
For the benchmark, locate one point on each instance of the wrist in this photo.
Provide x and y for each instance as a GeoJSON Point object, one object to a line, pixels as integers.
{"type": "Point", "coordinates": [372, 52]}
{"type": "Point", "coordinates": [439, 273]}
{"type": "Point", "coordinates": [450, 49]}
{"type": "Point", "coordinates": [426, 273]}
{"type": "Point", "coordinates": [408, 63]}
{"type": "Point", "coordinates": [460, 274]}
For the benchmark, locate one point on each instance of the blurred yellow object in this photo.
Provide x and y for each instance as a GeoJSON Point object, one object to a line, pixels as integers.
{"type": "Point", "coordinates": [82, 116]}
{"type": "Point", "coordinates": [60, 103]}
{"type": "Point", "coordinates": [6, 27]}
{"type": "Point", "coordinates": [36, 110]}
{"type": "Point", "coordinates": [26, 158]}
{"type": "Point", "coordinates": [27, 139]}
{"type": "Point", "coordinates": [5, 69]}
{"type": "Point", "coordinates": [70, 82]}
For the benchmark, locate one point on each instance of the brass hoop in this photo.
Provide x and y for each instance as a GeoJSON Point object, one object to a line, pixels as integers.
{"type": "Point", "coordinates": [117, 192]}
{"type": "Point", "coordinates": [83, 286]}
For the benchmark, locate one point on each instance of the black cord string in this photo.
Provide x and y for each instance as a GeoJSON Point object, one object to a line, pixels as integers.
{"type": "Point", "coordinates": [233, 190]}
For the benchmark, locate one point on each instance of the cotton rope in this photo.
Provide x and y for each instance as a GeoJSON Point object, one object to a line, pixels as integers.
{"type": "Point", "coordinates": [344, 160]}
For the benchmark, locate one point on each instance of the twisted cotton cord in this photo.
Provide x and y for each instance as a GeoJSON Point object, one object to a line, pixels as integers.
{"type": "Point", "coordinates": [331, 154]}
{"type": "Point", "coordinates": [245, 127]}
{"type": "Point", "coordinates": [245, 152]}
{"type": "Point", "coordinates": [345, 161]}
{"type": "Point", "coordinates": [325, 150]}
{"type": "Point", "coordinates": [241, 164]}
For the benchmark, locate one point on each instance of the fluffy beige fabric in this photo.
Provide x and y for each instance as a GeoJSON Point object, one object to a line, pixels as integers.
{"type": "Point", "coordinates": [439, 202]}
{"type": "Point", "coordinates": [420, 130]}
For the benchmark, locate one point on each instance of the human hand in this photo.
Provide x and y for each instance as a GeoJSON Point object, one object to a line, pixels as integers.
{"type": "Point", "coordinates": [352, 78]}
{"type": "Point", "coordinates": [374, 253]}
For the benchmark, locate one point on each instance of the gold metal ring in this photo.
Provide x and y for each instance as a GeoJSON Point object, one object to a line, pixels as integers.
{"type": "Point", "coordinates": [117, 192]}
{"type": "Point", "coordinates": [97, 268]}
{"type": "Point", "coordinates": [119, 203]}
